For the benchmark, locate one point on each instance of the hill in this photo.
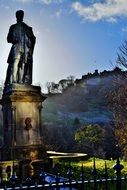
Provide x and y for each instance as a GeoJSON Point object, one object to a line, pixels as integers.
{"type": "Point", "coordinates": [86, 99]}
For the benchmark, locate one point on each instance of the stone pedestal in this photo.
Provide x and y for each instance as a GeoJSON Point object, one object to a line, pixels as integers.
{"type": "Point", "coordinates": [21, 106]}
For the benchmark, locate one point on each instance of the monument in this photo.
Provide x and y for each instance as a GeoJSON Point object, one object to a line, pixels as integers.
{"type": "Point", "coordinates": [21, 101]}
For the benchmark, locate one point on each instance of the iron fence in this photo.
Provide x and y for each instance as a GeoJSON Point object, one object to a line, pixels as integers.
{"type": "Point", "coordinates": [47, 181]}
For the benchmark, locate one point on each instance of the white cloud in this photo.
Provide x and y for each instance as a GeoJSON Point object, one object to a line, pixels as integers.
{"type": "Point", "coordinates": [5, 6]}
{"type": "Point", "coordinates": [109, 10]}
{"type": "Point", "coordinates": [58, 13]}
{"type": "Point", "coordinates": [51, 1]}
{"type": "Point", "coordinates": [124, 29]}
{"type": "Point", "coordinates": [47, 2]}
{"type": "Point", "coordinates": [24, 1]}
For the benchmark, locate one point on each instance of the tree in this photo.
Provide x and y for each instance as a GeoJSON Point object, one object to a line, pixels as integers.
{"type": "Point", "coordinates": [118, 101]}
{"type": "Point", "coordinates": [63, 84]}
{"type": "Point", "coordinates": [71, 79]}
{"type": "Point", "coordinates": [122, 55]}
{"type": "Point", "coordinates": [118, 106]}
{"type": "Point", "coordinates": [96, 140]}
{"type": "Point", "coordinates": [48, 85]}
{"type": "Point", "coordinates": [52, 87]}
{"type": "Point", "coordinates": [76, 123]}
{"type": "Point", "coordinates": [90, 138]}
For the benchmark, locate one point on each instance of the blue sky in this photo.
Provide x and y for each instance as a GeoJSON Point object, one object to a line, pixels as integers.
{"type": "Point", "coordinates": [73, 37]}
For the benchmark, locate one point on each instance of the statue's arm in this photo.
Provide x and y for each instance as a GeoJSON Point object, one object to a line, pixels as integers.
{"type": "Point", "coordinates": [10, 35]}
{"type": "Point", "coordinates": [11, 38]}
{"type": "Point", "coordinates": [33, 38]}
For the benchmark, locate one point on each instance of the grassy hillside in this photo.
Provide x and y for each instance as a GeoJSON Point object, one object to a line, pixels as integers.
{"type": "Point", "coordinates": [86, 101]}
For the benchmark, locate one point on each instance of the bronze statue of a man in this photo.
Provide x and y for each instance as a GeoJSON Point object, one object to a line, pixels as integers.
{"type": "Point", "coordinates": [20, 58]}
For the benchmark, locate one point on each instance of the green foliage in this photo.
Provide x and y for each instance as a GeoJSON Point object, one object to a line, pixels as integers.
{"type": "Point", "coordinates": [89, 138]}
{"type": "Point", "coordinates": [91, 133]}
{"type": "Point", "coordinates": [96, 140]}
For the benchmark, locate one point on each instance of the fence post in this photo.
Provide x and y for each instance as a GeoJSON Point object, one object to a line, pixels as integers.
{"type": "Point", "coordinates": [13, 180]}
{"type": "Point", "coordinates": [20, 185]}
{"type": "Point", "coordinates": [5, 187]}
{"type": "Point", "coordinates": [69, 174]}
{"type": "Point", "coordinates": [57, 178]}
{"type": "Point", "coordinates": [36, 185]}
{"type": "Point", "coordinates": [118, 167]}
{"type": "Point", "coordinates": [95, 174]}
{"type": "Point", "coordinates": [28, 182]}
{"type": "Point", "coordinates": [106, 177]}
{"type": "Point", "coordinates": [82, 176]}
{"type": "Point", "coordinates": [42, 176]}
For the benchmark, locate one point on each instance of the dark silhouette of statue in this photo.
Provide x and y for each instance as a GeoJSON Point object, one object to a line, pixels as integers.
{"type": "Point", "coordinates": [20, 58]}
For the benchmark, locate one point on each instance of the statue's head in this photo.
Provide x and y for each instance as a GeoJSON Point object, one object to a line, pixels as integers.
{"type": "Point", "coordinates": [19, 15]}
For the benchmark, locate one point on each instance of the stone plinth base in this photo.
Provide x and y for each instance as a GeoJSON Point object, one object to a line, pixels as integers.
{"type": "Point", "coordinates": [31, 152]}
{"type": "Point", "coordinates": [22, 169]}
{"type": "Point", "coordinates": [22, 105]}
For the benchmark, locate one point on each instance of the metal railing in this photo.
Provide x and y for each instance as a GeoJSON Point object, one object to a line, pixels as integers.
{"type": "Point", "coordinates": [47, 181]}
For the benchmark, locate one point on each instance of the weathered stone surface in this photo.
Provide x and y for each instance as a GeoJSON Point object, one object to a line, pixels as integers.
{"type": "Point", "coordinates": [21, 105]}
{"type": "Point", "coordinates": [24, 93]}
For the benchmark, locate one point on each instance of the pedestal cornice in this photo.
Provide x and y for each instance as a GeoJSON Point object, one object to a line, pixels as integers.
{"type": "Point", "coordinates": [22, 93]}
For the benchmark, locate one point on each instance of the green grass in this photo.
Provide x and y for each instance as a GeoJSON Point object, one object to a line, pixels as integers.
{"type": "Point", "coordinates": [88, 167]}
{"type": "Point", "coordinates": [88, 171]}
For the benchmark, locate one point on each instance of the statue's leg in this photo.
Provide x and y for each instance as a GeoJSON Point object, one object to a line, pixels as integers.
{"type": "Point", "coordinates": [15, 71]}
{"type": "Point", "coordinates": [21, 73]}
{"type": "Point", "coordinates": [25, 73]}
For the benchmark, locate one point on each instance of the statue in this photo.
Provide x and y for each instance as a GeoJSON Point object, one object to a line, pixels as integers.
{"type": "Point", "coordinates": [20, 58]}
